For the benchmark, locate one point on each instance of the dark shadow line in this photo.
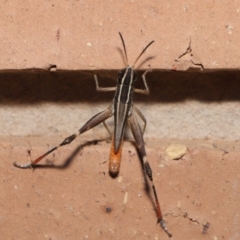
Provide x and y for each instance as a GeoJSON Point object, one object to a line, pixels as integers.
{"type": "Point", "coordinates": [34, 87]}
{"type": "Point", "coordinates": [68, 161]}
{"type": "Point", "coordinates": [147, 187]}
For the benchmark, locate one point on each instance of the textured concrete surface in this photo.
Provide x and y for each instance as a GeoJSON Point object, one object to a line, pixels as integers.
{"type": "Point", "coordinates": [181, 105]}
{"type": "Point", "coordinates": [194, 39]}
{"type": "Point", "coordinates": [72, 195]}
{"type": "Point", "coordinates": [194, 95]}
{"type": "Point", "coordinates": [84, 34]}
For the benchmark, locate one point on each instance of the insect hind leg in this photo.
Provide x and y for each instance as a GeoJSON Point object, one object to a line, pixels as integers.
{"type": "Point", "coordinates": [94, 121]}
{"type": "Point", "coordinates": [138, 136]}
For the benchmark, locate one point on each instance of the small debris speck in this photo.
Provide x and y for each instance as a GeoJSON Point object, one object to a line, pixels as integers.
{"type": "Point", "coordinates": [125, 198]}
{"type": "Point", "coordinates": [229, 28]}
{"type": "Point", "coordinates": [205, 228]}
{"type": "Point", "coordinates": [119, 179]}
{"type": "Point", "coordinates": [108, 209]}
{"type": "Point", "coordinates": [161, 165]}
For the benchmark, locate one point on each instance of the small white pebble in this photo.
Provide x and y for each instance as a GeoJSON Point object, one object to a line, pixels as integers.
{"type": "Point", "coordinates": [161, 165]}
{"type": "Point", "coordinates": [176, 151]}
{"type": "Point", "coordinates": [119, 179]}
{"type": "Point", "coordinates": [139, 194]}
{"type": "Point", "coordinates": [89, 44]}
{"type": "Point", "coordinates": [229, 28]}
{"type": "Point", "coordinates": [125, 199]}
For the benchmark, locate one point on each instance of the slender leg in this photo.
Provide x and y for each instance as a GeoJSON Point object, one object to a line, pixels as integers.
{"type": "Point", "coordinates": [137, 133]}
{"type": "Point", "coordinates": [142, 117]}
{"type": "Point", "coordinates": [103, 89]}
{"type": "Point", "coordinates": [146, 90]}
{"type": "Point", "coordinates": [105, 125]}
{"type": "Point", "coordinates": [97, 119]}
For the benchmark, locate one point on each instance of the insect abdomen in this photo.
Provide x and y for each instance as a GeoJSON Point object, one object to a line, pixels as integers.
{"type": "Point", "coordinates": [115, 159]}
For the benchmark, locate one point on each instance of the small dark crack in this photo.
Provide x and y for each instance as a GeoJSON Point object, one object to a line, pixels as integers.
{"type": "Point", "coordinates": [185, 215]}
{"type": "Point", "coordinates": [198, 64]}
{"type": "Point", "coordinates": [188, 50]}
{"type": "Point", "coordinates": [205, 226]}
{"type": "Point", "coordinates": [52, 68]}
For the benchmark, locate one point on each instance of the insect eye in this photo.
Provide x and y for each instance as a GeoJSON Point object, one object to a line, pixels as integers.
{"type": "Point", "coordinates": [120, 75]}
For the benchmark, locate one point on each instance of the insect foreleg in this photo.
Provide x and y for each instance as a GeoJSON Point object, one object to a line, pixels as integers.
{"type": "Point", "coordinates": [103, 89]}
{"type": "Point", "coordinates": [146, 90]}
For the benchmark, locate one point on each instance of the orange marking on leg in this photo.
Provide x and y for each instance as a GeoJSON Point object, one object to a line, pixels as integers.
{"type": "Point", "coordinates": [115, 159]}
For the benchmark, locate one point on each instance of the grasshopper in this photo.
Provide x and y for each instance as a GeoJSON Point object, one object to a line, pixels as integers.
{"type": "Point", "coordinates": [124, 111]}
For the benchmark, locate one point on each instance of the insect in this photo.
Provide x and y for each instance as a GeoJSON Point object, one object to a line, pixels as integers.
{"type": "Point", "coordinates": [124, 111]}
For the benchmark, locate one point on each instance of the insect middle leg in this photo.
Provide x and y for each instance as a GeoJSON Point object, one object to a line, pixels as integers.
{"type": "Point", "coordinates": [95, 120]}
{"type": "Point", "coordinates": [139, 113]}
{"type": "Point", "coordinates": [107, 128]}
{"type": "Point", "coordinates": [138, 136]}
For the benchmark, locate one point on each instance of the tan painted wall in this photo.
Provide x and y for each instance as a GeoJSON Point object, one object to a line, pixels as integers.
{"type": "Point", "coordinates": [84, 34]}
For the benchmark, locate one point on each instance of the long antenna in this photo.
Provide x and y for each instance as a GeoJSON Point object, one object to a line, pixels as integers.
{"type": "Point", "coordinates": [143, 51]}
{"type": "Point", "coordinates": [124, 47]}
